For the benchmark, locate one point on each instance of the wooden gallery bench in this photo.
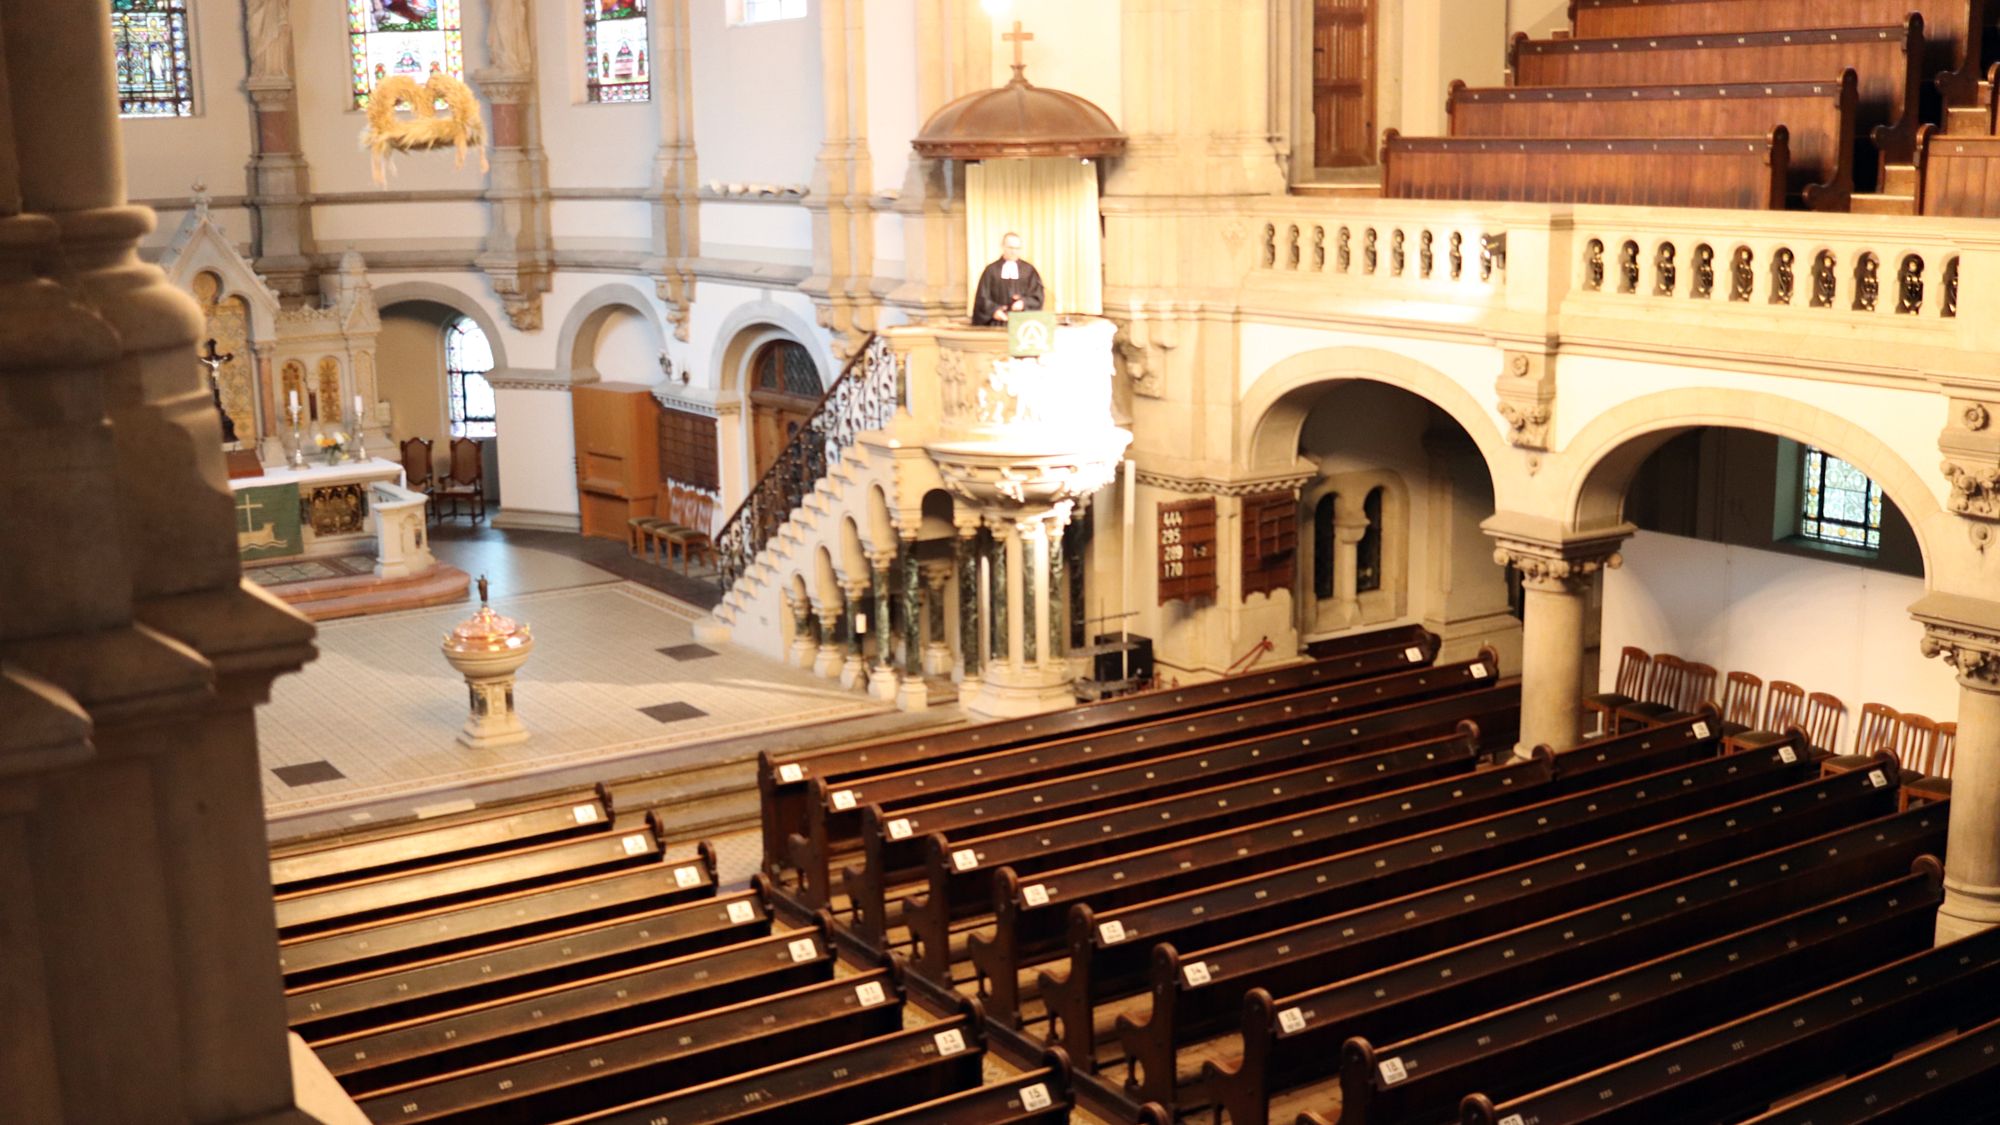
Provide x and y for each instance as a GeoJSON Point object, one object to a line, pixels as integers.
{"type": "Point", "coordinates": [1960, 176]}
{"type": "Point", "coordinates": [1887, 59]}
{"type": "Point", "coordinates": [1746, 173]}
{"type": "Point", "coordinates": [1819, 120]}
{"type": "Point", "coordinates": [1949, 1081]}
{"type": "Point", "coordinates": [1286, 928]}
{"type": "Point", "coordinates": [312, 864]}
{"type": "Point", "coordinates": [1031, 912]}
{"type": "Point", "coordinates": [1292, 1040]}
{"type": "Point", "coordinates": [1741, 1067]}
{"type": "Point", "coordinates": [1954, 30]}
{"type": "Point", "coordinates": [781, 778]}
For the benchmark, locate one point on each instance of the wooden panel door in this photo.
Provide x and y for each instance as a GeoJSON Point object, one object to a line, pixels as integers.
{"type": "Point", "coordinates": [1343, 83]}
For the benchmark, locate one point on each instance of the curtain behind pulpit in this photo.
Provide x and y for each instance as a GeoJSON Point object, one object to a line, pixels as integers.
{"type": "Point", "coordinates": [1051, 202]}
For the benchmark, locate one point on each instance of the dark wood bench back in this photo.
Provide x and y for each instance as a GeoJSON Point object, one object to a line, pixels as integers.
{"type": "Point", "coordinates": [1748, 173]}
{"type": "Point", "coordinates": [1961, 176]}
{"type": "Point", "coordinates": [337, 860]}
{"type": "Point", "coordinates": [1948, 1081]}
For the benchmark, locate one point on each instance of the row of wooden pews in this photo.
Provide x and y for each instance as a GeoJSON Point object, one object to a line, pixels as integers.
{"type": "Point", "coordinates": [1721, 103]}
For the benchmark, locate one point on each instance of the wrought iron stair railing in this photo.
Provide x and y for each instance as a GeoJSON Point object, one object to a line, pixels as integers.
{"type": "Point", "coordinates": [864, 398]}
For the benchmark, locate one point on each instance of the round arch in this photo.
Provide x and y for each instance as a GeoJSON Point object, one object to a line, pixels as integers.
{"type": "Point", "coordinates": [397, 292]}
{"type": "Point", "coordinates": [1274, 410]}
{"type": "Point", "coordinates": [576, 344]}
{"type": "Point", "coordinates": [749, 327]}
{"type": "Point", "coordinates": [1604, 456]}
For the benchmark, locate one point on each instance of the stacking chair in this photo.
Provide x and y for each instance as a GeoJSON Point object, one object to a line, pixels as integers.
{"type": "Point", "coordinates": [467, 479]}
{"type": "Point", "coordinates": [1876, 729]}
{"type": "Point", "coordinates": [1661, 697]}
{"type": "Point", "coordinates": [695, 514]}
{"type": "Point", "coordinates": [658, 529]}
{"type": "Point", "coordinates": [1784, 707]}
{"type": "Point", "coordinates": [1822, 720]}
{"type": "Point", "coordinates": [1633, 664]}
{"type": "Point", "coordinates": [1741, 694]}
{"type": "Point", "coordinates": [639, 529]}
{"type": "Point", "coordinates": [1935, 784]}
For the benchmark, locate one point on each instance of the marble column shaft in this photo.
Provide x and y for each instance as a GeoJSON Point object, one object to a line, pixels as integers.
{"type": "Point", "coordinates": [1557, 575]}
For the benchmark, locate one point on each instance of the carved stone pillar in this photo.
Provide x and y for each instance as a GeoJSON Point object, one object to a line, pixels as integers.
{"type": "Point", "coordinates": [937, 585]}
{"type": "Point", "coordinates": [831, 652]}
{"type": "Point", "coordinates": [1965, 633]}
{"type": "Point", "coordinates": [967, 563]}
{"type": "Point", "coordinates": [280, 187]}
{"type": "Point", "coordinates": [1557, 570]}
{"type": "Point", "coordinates": [997, 625]}
{"type": "Point", "coordinates": [1350, 526]}
{"type": "Point", "coordinates": [1034, 569]}
{"type": "Point", "coordinates": [517, 258]}
{"type": "Point", "coordinates": [676, 189]}
{"type": "Point", "coordinates": [843, 181]}
{"type": "Point", "coordinates": [882, 679]}
{"type": "Point", "coordinates": [853, 667]}
{"type": "Point", "coordinates": [805, 640]}
{"type": "Point", "coordinates": [1058, 637]}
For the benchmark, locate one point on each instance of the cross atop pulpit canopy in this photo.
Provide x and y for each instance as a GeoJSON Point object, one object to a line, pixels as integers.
{"type": "Point", "coordinates": [1019, 38]}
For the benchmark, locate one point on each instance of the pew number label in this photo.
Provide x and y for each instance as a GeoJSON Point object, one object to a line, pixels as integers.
{"type": "Point", "coordinates": [843, 799]}
{"type": "Point", "coordinates": [1111, 933]}
{"type": "Point", "coordinates": [1393, 1071]}
{"type": "Point", "coordinates": [964, 860]}
{"type": "Point", "coordinates": [585, 814]}
{"type": "Point", "coordinates": [1414, 655]}
{"type": "Point", "coordinates": [1877, 778]}
{"type": "Point", "coordinates": [791, 773]}
{"type": "Point", "coordinates": [741, 912]}
{"type": "Point", "coordinates": [1196, 974]}
{"type": "Point", "coordinates": [899, 828]}
{"type": "Point", "coordinates": [1479, 671]}
{"type": "Point", "coordinates": [1036, 1097]}
{"type": "Point", "coordinates": [686, 876]}
{"type": "Point", "coordinates": [1035, 895]}
{"type": "Point", "coordinates": [1787, 755]}
{"type": "Point", "coordinates": [871, 994]}
{"type": "Point", "coordinates": [804, 949]}
{"type": "Point", "coordinates": [633, 845]}
{"type": "Point", "coordinates": [1291, 1021]}
{"type": "Point", "coordinates": [1701, 730]}
{"type": "Point", "coordinates": [1513, 1119]}
{"type": "Point", "coordinates": [949, 1043]}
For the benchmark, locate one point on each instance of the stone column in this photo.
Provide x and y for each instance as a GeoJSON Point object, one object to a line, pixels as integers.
{"type": "Point", "coordinates": [829, 655]}
{"type": "Point", "coordinates": [1034, 572]}
{"type": "Point", "coordinates": [805, 639]}
{"type": "Point", "coordinates": [1350, 526]}
{"type": "Point", "coordinates": [1557, 569]}
{"type": "Point", "coordinates": [1058, 646]}
{"type": "Point", "coordinates": [998, 626]}
{"type": "Point", "coordinates": [914, 694]}
{"type": "Point", "coordinates": [967, 562]}
{"type": "Point", "coordinates": [676, 191]}
{"type": "Point", "coordinates": [843, 182]}
{"type": "Point", "coordinates": [517, 257]}
{"type": "Point", "coordinates": [1965, 633]}
{"type": "Point", "coordinates": [854, 668]}
{"type": "Point", "coordinates": [882, 679]}
{"type": "Point", "coordinates": [280, 187]}
{"type": "Point", "coordinates": [937, 577]}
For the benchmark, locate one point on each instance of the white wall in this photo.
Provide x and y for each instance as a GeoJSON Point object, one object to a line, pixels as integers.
{"type": "Point", "coordinates": [628, 348]}
{"type": "Point", "coordinates": [1825, 626]}
{"type": "Point", "coordinates": [1075, 49]}
{"type": "Point", "coordinates": [537, 449]}
{"type": "Point", "coordinates": [757, 111]}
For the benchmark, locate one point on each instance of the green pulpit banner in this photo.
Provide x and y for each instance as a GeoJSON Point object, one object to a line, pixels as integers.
{"type": "Point", "coordinates": [1031, 333]}
{"type": "Point", "coordinates": [267, 522]}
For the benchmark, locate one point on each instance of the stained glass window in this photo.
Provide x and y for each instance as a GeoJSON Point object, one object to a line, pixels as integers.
{"type": "Point", "coordinates": [413, 38]}
{"type": "Point", "coordinates": [764, 11]}
{"type": "Point", "coordinates": [468, 356]}
{"type": "Point", "coordinates": [149, 44]}
{"type": "Point", "coordinates": [617, 58]}
{"type": "Point", "coordinates": [1840, 504]}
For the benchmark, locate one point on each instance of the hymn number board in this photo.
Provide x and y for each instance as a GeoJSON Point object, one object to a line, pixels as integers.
{"type": "Point", "coordinates": [1187, 549]}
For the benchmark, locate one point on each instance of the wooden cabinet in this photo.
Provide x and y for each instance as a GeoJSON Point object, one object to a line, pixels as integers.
{"type": "Point", "coordinates": [617, 455]}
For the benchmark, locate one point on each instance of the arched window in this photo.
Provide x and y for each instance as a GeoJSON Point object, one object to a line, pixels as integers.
{"type": "Point", "coordinates": [615, 50]}
{"type": "Point", "coordinates": [1838, 503]}
{"type": "Point", "coordinates": [468, 356]}
{"type": "Point", "coordinates": [413, 38]}
{"type": "Point", "coordinates": [764, 11]}
{"type": "Point", "coordinates": [1323, 547]}
{"type": "Point", "coordinates": [149, 47]}
{"type": "Point", "coordinates": [785, 367]}
{"type": "Point", "coordinates": [1368, 553]}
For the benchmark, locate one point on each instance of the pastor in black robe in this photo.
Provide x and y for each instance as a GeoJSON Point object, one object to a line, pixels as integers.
{"type": "Point", "coordinates": [997, 293]}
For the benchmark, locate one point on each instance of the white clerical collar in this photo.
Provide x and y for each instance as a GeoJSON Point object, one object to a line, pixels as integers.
{"type": "Point", "coordinates": [1010, 270]}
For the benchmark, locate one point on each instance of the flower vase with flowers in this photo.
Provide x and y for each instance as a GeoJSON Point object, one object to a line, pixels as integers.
{"type": "Point", "coordinates": [333, 444]}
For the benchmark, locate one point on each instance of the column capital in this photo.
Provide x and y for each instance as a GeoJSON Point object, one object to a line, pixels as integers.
{"type": "Point", "coordinates": [1553, 558]}
{"type": "Point", "coordinates": [1965, 633]}
{"type": "Point", "coordinates": [880, 561]}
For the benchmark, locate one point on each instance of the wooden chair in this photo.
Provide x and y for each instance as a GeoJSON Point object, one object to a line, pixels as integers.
{"type": "Point", "coordinates": [1664, 688]}
{"type": "Point", "coordinates": [1697, 688]}
{"type": "Point", "coordinates": [1935, 784]}
{"type": "Point", "coordinates": [1914, 741]}
{"type": "Point", "coordinates": [1741, 695]}
{"type": "Point", "coordinates": [467, 479]}
{"type": "Point", "coordinates": [695, 513]}
{"type": "Point", "coordinates": [1822, 720]}
{"type": "Point", "coordinates": [420, 470]}
{"type": "Point", "coordinates": [641, 531]}
{"type": "Point", "coordinates": [1784, 708]}
{"type": "Point", "coordinates": [1947, 747]}
{"type": "Point", "coordinates": [1633, 664]}
{"type": "Point", "coordinates": [1876, 729]}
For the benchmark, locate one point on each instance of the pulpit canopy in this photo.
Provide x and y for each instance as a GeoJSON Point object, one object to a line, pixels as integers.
{"type": "Point", "coordinates": [1019, 119]}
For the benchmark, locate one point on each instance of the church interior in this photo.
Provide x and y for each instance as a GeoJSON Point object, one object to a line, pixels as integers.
{"type": "Point", "coordinates": [999, 562]}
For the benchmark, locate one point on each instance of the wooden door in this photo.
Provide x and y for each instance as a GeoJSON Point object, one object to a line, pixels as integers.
{"type": "Point", "coordinates": [1343, 83]}
{"type": "Point", "coordinates": [773, 425]}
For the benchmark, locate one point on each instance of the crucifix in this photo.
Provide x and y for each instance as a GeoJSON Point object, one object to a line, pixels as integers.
{"type": "Point", "coordinates": [1018, 37]}
{"type": "Point", "coordinates": [213, 362]}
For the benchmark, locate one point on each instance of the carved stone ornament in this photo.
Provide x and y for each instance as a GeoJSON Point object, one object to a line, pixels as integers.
{"type": "Point", "coordinates": [1557, 569]}
{"type": "Point", "coordinates": [1975, 655]}
{"type": "Point", "coordinates": [1976, 417]}
{"type": "Point", "coordinates": [1146, 345]}
{"type": "Point", "coordinates": [1527, 428]}
{"type": "Point", "coordinates": [1975, 490]}
{"type": "Point", "coordinates": [1527, 393]}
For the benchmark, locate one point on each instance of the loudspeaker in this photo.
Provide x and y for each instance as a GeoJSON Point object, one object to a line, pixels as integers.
{"type": "Point", "coordinates": [1136, 661]}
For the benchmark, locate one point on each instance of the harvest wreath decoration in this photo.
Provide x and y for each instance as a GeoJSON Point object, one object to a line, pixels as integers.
{"type": "Point", "coordinates": [443, 111]}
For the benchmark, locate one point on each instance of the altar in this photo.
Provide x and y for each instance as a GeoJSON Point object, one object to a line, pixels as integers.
{"type": "Point", "coordinates": [328, 510]}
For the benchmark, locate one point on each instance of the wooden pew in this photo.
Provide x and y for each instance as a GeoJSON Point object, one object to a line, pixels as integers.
{"type": "Point", "coordinates": [1571, 1030]}
{"type": "Point", "coordinates": [1953, 29]}
{"type": "Point", "coordinates": [1749, 173]}
{"type": "Point", "coordinates": [406, 892]}
{"type": "Point", "coordinates": [654, 1059]}
{"type": "Point", "coordinates": [1031, 922]}
{"type": "Point", "coordinates": [833, 815]}
{"type": "Point", "coordinates": [370, 948]}
{"type": "Point", "coordinates": [1959, 175]}
{"type": "Point", "coordinates": [1286, 929]}
{"type": "Point", "coordinates": [1949, 1081]}
{"type": "Point", "coordinates": [1888, 59]}
{"type": "Point", "coordinates": [426, 987]}
{"type": "Point", "coordinates": [1041, 1096]}
{"type": "Point", "coordinates": [959, 874]}
{"type": "Point", "coordinates": [1293, 1040]}
{"type": "Point", "coordinates": [342, 860]}
{"type": "Point", "coordinates": [1741, 1067]}
{"type": "Point", "coordinates": [781, 778]}
{"type": "Point", "coordinates": [862, 1079]}
{"type": "Point", "coordinates": [1819, 120]}
{"type": "Point", "coordinates": [1201, 991]}
{"type": "Point", "coordinates": [482, 1033]}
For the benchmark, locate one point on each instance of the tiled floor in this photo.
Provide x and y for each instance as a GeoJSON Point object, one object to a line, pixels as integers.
{"type": "Point", "coordinates": [381, 707]}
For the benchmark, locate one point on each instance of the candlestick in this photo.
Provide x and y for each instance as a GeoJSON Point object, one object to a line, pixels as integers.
{"type": "Point", "coordinates": [360, 443]}
{"type": "Point", "coordinates": [298, 458]}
